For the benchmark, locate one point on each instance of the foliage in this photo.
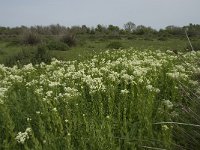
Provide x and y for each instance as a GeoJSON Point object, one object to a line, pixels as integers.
{"type": "Point", "coordinates": [57, 45]}
{"type": "Point", "coordinates": [69, 39]}
{"type": "Point", "coordinates": [42, 54]}
{"type": "Point", "coordinates": [29, 55]}
{"type": "Point", "coordinates": [129, 26]}
{"type": "Point", "coordinates": [2, 52]}
{"type": "Point", "coordinates": [115, 100]}
{"type": "Point", "coordinates": [24, 56]}
{"type": "Point", "coordinates": [115, 45]}
{"type": "Point", "coordinates": [30, 38]}
{"type": "Point", "coordinates": [162, 38]}
{"type": "Point", "coordinates": [195, 46]}
{"type": "Point", "coordinates": [32, 35]}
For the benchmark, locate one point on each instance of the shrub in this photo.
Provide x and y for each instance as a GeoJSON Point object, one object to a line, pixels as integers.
{"type": "Point", "coordinates": [2, 52]}
{"type": "Point", "coordinates": [23, 57]}
{"type": "Point", "coordinates": [57, 45]}
{"type": "Point", "coordinates": [42, 54]}
{"type": "Point", "coordinates": [195, 45]}
{"type": "Point", "coordinates": [131, 37]}
{"type": "Point", "coordinates": [31, 38]}
{"type": "Point", "coordinates": [69, 39]}
{"type": "Point", "coordinates": [29, 55]}
{"type": "Point", "coordinates": [115, 45]}
{"type": "Point", "coordinates": [162, 38]}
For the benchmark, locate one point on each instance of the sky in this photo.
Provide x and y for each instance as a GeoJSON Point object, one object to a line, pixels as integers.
{"type": "Point", "coordinates": [155, 13]}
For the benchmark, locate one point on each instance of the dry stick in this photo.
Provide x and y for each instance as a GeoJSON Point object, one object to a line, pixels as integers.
{"type": "Point", "coordinates": [194, 113]}
{"type": "Point", "coordinates": [184, 90]}
{"type": "Point", "coordinates": [190, 138]}
{"type": "Point", "coordinates": [197, 133]}
{"type": "Point", "coordinates": [194, 116]}
{"type": "Point", "coordinates": [184, 86]}
{"type": "Point", "coordinates": [189, 40]}
{"type": "Point", "coordinates": [178, 123]}
{"type": "Point", "coordinates": [148, 147]}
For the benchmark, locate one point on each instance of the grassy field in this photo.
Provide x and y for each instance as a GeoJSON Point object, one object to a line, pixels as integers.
{"type": "Point", "coordinates": [88, 47]}
{"type": "Point", "coordinates": [133, 98]}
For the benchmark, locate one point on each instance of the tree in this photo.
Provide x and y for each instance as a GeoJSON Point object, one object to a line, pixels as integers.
{"type": "Point", "coordinates": [129, 26]}
{"type": "Point", "coordinates": [141, 29]}
{"type": "Point", "coordinates": [174, 30]}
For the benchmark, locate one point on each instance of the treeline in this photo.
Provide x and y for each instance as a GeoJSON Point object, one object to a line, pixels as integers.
{"type": "Point", "coordinates": [130, 29]}
{"type": "Point", "coordinates": [37, 43]}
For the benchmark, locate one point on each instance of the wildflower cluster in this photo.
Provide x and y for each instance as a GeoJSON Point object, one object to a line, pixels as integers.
{"type": "Point", "coordinates": [87, 104]}
{"type": "Point", "coordinates": [23, 136]}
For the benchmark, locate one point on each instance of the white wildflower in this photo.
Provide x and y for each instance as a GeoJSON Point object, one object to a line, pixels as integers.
{"type": "Point", "coordinates": [49, 93]}
{"type": "Point", "coordinates": [149, 87]}
{"type": "Point", "coordinates": [168, 104]}
{"type": "Point", "coordinates": [125, 91]}
{"type": "Point", "coordinates": [23, 136]}
{"type": "Point", "coordinates": [53, 84]}
{"type": "Point", "coordinates": [28, 119]}
{"type": "Point", "coordinates": [108, 117]}
{"type": "Point", "coordinates": [38, 112]}
{"type": "Point", "coordinates": [165, 127]}
{"type": "Point", "coordinates": [54, 109]}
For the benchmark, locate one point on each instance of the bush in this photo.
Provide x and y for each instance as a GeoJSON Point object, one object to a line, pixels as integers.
{"type": "Point", "coordinates": [195, 45]}
{"type": "Point", "coordinates": [162, 38]}
{"type": "Point", "coordinates": [23, 57]}
{"type": "Point", "coordinates": [131, 37]}
{"type": "Point", "coordinates": [41, 55]}
{"type": "Point", "coordinates": [29, 55]}
{"type": "Point", "coordinates": [57, 45]}
{"type": "Point", "coordinates": [31, 38]}
{"type": "Point", "coordinates": [115, 45]}
{"type": "Point", "coordinates": [2, 52]}
{"type": "Point", "coordinates": [69, 39]}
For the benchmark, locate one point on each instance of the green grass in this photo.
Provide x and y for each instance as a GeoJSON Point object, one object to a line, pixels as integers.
{"type": "Point", "coordinates": [7, 50]}
{"type": "Point", "coordinates": [88, 47]}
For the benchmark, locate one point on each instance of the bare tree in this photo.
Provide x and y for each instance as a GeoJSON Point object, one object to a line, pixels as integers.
{"type": "Point", "coordinates": [129, 26]}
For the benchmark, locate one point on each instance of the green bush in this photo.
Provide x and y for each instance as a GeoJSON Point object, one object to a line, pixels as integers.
{"type": "Point", "coordinates": [162, 38]}
{"type": "Point", "coordinates": [29, 55]}
{"type": "Point", "coordinates": [42, 54]}
{"type": "Point", "coordinates": [2, 52]}
{"type": "Point", "coordinates": [115, 45]}
{"type": "Point", "coordinates": [57, 45]}
{"type": "Point", "coordinates": [131, 37]}
{"type": "Point", "coordinates": [31, 38]}
{"type": "Point", "coordinates": [23, 57]}
{"type": "Point", "coordinates": [195, 45]}
{"type": "Point", "coordinates": [69, 39]}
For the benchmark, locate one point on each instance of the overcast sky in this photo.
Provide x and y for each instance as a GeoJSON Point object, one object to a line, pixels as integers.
{"type": "Point", "coordinates": [154, 13]}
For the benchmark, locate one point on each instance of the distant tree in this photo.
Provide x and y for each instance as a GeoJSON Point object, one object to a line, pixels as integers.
{"type": "Point", "coordinates": [113, 28]}
{"type": "Point", "coordinates": [92, 30]}
{"type": "Point", "coordinates": [99, 28]}
{"type": "Point", "coordinates": [174, 30]}
{"type": "Point", "coordinates": [85, 29]}
{"type": "Point", "coordinates": [193, 30]}
{"type": "Point", "coordinates": [75, 29]}
{"type": "Point", "coordinates": [69, 39]}
{"type": "Point", "coordinates": [129, 26]}
{"type": "Point", "coordinates": [30, 38]}
{"type": "Point", "coordinates": [141, 29]}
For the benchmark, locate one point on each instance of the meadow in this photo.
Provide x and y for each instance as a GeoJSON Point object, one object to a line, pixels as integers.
{"type": "Point", "coordinates": [86, 48]}
{"type": "Point", "coordinates": [130, 98]}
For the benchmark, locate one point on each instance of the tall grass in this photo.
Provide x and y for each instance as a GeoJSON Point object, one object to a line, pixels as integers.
{"type": "Point", "coordinates": [117, 100]}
